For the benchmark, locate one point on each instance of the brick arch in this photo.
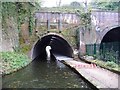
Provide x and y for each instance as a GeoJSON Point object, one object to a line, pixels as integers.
{"type": "Point", "coordinates": [56, 41]}
{"type": "Point", "coordinates": [106, 30]}
{"type": "Point", "coordinates": [53, 34]}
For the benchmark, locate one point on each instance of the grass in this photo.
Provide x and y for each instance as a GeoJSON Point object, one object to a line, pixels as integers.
{"type": "Point", "coordinates": [12, 61]}
{"type": "Point", "coordinates": [109, 64]}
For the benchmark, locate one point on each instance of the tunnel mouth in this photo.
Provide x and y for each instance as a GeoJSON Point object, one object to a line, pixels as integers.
{"type": "Point", "coordinates": [110, 45]}
{"type": "Point", "coordinates": [58, 44]}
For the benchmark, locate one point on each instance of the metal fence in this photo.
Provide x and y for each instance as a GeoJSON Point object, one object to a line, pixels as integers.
{"type": "Point", "coordinates": [105, 51]}
{"type": "Point", "coordinates": [92, 49]}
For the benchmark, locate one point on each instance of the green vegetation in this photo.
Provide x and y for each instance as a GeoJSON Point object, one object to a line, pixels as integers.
{"type": "Point", "coordinates": [104, 51]}
{"type": "Point", "coordinates": [18, 24]}
{"type": "Point", "coordinates": [85, 20]}
{"type": "Point", "coordinates": [110, 55]}
{"type": "Point", "coordinates": [12, 61]}
{"type": "Point", "coordinates": [109, 64]}
{"type": "Point", "coordinates": [21, 11]}
{"type": "Point", "coordinates": [107, 56]}
{"type": "Point", "coordinates": [105, 5]}
{"type": "Point", "coordinates": [69, 8]}
{"type": "Point", "coordinates": [21, 14]}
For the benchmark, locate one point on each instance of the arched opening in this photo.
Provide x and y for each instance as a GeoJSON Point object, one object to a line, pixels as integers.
{"type": "Point", "coordinates": [110, 45]}
{"type": "Point", "coordinates": [58, 44]}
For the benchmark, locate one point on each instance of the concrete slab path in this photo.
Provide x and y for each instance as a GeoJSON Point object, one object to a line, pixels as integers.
{"type": "Point", "coordinates": [99, 77]}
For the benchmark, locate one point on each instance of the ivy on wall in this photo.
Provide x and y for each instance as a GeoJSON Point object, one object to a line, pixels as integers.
{"type": "Point", "coordinates": [86, 20]}
{"type": "Point", "coordinates": [21, 13]}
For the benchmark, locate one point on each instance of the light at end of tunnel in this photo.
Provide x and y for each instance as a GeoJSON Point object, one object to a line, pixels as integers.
{"type": "Point", "coordinates": [48, 48]}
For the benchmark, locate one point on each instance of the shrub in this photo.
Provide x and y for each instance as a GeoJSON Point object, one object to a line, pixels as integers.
{"type": "Point", "coordinates": [12, 61]}
{"type": "Point", "coordinates": [111, 64]}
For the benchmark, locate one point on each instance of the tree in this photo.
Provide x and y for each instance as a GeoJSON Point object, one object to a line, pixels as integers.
{"type": "Point", "coordinates": [75, 4]}
{"type": "Point", "coordinates": [59, 3]}
{"type": "Point", "coordinates": [85, 6]}
{"type": "Point", "coordinates": [109, 5]}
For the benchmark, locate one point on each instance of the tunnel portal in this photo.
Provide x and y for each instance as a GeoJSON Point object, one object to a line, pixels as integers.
{"type": "Point", "coordinates": [110, 45]}
{"type": "Point", "coordinates": [58, 44]}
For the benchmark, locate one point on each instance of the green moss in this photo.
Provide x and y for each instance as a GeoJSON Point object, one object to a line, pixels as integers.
{"type": "Point", "coordinates": [25, 48]}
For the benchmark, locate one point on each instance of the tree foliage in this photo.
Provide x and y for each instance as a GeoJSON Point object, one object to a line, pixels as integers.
{"type": "Point", "coordinates": [73, 7]}
{"type": "Point", "coordinates": [75, 4]}
{"type": "Point", "coordinates": [105, 5]}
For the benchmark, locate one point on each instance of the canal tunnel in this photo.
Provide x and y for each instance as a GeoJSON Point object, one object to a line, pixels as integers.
{"type": "Point", "coordinates": [110, 45]}
{"type": "Point", "coordinates": [58, 44]}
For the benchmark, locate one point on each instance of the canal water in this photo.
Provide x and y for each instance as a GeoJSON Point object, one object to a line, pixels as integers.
{"type": "Point", "coordinates": [44, 74]}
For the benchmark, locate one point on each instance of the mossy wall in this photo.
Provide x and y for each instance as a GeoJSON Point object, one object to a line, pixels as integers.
{"type": "Point", "coordinates": [70, 36]}
{"type": "Point", "coordinates": [17, 26]}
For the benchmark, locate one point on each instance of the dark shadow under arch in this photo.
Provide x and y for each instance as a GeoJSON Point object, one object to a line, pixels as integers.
{"type": "Point", "coordinates": [112, 36]}
{"type": "Point", "coordinates": [59, 46]}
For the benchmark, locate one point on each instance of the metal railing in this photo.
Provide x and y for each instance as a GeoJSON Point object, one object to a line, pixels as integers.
{"type": "Point", "coordinates": [105, 51]}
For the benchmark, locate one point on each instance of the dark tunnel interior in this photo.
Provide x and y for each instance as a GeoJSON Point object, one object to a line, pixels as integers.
{"type": "Point", "coordinates": [112, 36]}
{"type": "Point", "coordinates": [59, 46]}
{"type": "Point", "coordinates": [111, 43]}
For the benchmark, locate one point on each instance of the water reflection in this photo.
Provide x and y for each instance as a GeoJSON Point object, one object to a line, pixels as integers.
{"type": "Point", "coordinates": [60, 65]}
{"type": "Point", "coordinates": [40, 74]}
